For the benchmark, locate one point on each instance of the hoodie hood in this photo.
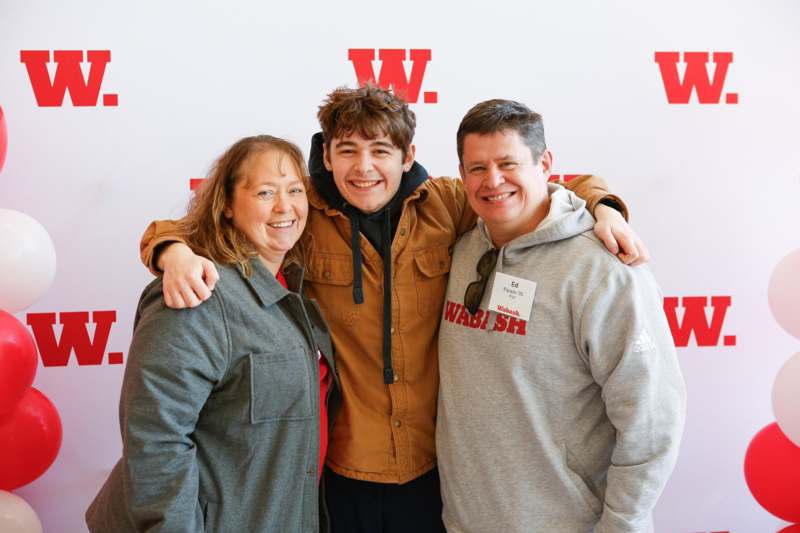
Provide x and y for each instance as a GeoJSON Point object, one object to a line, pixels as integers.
{"type": "Point", "coordinates": [567, 217]}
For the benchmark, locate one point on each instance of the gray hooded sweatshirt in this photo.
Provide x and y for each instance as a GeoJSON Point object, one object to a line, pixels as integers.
{"type": "Point", "coordinates": [569, 421]}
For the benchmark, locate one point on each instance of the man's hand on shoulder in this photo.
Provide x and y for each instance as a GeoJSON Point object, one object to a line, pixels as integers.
{"type": "Point", "coordinates": [188, 278]}
{"type": "Point", "coordinates": [619, 237]}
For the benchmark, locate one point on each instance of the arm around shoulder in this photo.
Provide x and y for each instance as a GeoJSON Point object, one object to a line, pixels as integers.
{"type": "Point", "coordinates": [612, 215]}
{"type": "Point", "coordinates": [455, 199]}
{"type": "Point", "coordinates": [188, 278]}
{"type": "Point", "coordinates": [158, 234]}
{"type": "Point", "coordinates": [594, 191]}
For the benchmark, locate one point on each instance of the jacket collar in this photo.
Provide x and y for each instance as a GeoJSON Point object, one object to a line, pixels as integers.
{"type": "Point", "coordinates": [266, 287]}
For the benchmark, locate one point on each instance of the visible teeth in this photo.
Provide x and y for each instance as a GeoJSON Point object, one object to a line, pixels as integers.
{"type": "Point", "coordinates": [364, 184]}
{"type": "Point", "coordinates": [498, 197]}
{"type": "Point", "coordinates": [285, 224]}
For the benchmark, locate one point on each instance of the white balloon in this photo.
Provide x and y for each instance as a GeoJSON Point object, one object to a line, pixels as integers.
{"type": "Point", "coordinates": [27, 261]}
{"type": "Point", "coordinates": [786, 398]}
{"type": "Point", "coordinates": [16, 516]}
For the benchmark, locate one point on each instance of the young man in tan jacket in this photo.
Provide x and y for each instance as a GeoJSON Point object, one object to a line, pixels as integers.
{"type": "Point", "coordinates": [378, 251]}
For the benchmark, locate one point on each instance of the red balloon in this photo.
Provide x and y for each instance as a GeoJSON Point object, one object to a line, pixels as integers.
{"type": "Point", "coordinates": [3, 138]}
{"type": "Point", "coordinates": [18, 361]}
{"type": "Point", "coordinates": [772, 472]}
{"type": "Point", "coordinates": [791, 529]}
{"type": "Point", "coordinates": [30, 437]}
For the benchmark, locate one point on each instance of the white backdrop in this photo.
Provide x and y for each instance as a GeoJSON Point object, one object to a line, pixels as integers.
{"type": "Point", "coordinates": [713, 188]}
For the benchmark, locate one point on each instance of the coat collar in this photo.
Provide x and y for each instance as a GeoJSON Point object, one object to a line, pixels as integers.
{"type": "Point", "coordinates": [266, 287]}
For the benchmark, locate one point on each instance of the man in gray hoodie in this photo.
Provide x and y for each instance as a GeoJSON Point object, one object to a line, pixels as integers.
{"type": "Point", "coordinates": [561, 403]}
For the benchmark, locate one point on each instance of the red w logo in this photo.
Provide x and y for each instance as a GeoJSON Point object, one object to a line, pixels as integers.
{"type": "Point", "coordinates": [565, 177]}
{"type": "Point", "coordinates": [74, 337]}
{"type": "Point", "coordinates": [393, 73]}
{"type": "Point", "coordinates": [695, 320]}
{"type": "Point", "coordinates": [68, 77]}
{"type": "Point", "coordinates": [696, 77]}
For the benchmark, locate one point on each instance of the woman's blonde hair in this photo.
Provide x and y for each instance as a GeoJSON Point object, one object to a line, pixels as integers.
{"type": "Point", "coordinates": [207, 230]}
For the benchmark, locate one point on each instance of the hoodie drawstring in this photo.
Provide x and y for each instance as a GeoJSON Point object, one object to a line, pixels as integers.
{"type": "Point", "coordinates": [355, 236]}
{"type": "Point", "coordinates": [358, 289]}
{"type": "Point", "coordinates": [388, 373]}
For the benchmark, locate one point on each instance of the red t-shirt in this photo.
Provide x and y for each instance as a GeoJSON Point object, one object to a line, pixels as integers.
{"type": "Point", "coordinates": [323, 392]}
{"type": "Point", "coordinates": [323, 413]}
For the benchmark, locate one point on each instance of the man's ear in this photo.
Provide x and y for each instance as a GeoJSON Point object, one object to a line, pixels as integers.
{"type": "Point", "coordinates": [547, 163]}
{"type": "Point", "coordinates": [409, 159]}
{"type": "Point", "coordinates": [326, 157]}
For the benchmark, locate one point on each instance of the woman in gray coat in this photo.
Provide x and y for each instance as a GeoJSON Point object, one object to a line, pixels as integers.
{"type": "Point", "coordinates": [222, 406]}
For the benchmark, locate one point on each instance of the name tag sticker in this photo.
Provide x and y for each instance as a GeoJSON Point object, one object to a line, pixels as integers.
{"type": "Point", "coordinates": [512, 296]}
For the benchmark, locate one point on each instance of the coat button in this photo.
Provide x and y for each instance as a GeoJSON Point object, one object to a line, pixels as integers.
{"type": "Point", "coordinates": [397, 423]}
{"type": "Point", "coordinates": [326, 274]}
{"type": "Point", "coordinates": [392, 330]}
{"type": "Point", "coordinates": [396, 378]}
{"type": "Point", "coordinates": [402, 231]}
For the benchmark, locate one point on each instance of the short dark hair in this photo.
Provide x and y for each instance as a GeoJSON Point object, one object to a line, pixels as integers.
{"type": "Point", "coordinates": [370, 111]}
{"type": "Point", "coordinates": [497, 115]}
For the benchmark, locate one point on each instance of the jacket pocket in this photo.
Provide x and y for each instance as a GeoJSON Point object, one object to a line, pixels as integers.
{"type": "Point", "coordinates": [331, 276]}
{"type": "Point", "coordinates": [430, 278]}
{"type": "Point", "coordinates": [279, 386]}
{"type": "Point", "coordinates": [580, 480]}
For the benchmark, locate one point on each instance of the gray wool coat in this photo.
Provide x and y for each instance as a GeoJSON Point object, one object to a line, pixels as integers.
{"type": "Point", "coordinates": [219, 413]}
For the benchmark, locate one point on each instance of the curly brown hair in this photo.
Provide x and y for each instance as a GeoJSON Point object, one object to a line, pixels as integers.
{"type": "Point", "coordinates": [206, 229]}
{"type": "Point", "coordinates": [371, 112]}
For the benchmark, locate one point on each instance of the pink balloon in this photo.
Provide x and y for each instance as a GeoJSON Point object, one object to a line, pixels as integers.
{"type": "Point", "coordinates": [18, 361]}
{"type": "Point", "coordinates": [16, 516]}
{"type": "Point", "coordinates": [3, 138]}
{"type": "Point", "coordinates": [786, 399]}
{"type": "Point", "coordinates": [784, 293]}
{"type": "Point", "coordinates": [30, 437]}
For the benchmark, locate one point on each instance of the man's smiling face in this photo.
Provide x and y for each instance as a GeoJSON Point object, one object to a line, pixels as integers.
{"type": "Point", "coordinates": [505, 186]}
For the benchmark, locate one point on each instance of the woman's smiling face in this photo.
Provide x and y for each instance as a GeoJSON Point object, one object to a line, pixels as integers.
{"type": "Point", "coordinates": [269, 204]}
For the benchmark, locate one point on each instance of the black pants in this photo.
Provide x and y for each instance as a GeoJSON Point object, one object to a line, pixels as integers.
{"type": "Point", "coordinates": [366, 507]}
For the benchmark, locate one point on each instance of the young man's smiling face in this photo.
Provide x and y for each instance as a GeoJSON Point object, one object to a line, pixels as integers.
{"type": "Point", "coordinates": [367, 172]}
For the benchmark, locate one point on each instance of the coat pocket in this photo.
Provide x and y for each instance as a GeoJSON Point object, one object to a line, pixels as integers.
{"type": "Point", "coordinates": [430, 278]}
{"type": "Point", "coordinates": [280, 385]}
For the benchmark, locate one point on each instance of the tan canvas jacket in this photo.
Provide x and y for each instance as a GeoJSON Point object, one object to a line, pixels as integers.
{"type": "Point", "coordinates": [385, 433]}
